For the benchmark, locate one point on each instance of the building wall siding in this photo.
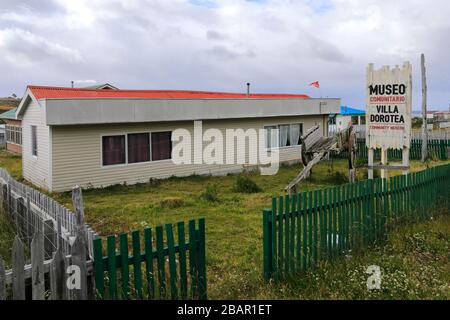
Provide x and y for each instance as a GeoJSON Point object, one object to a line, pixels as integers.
{"type": "Point", "coordinates": [35, 169]}
{"type": "Point", "coordinates": [15, 148]}
{"type": "Point", "coordinates": [76, 152]}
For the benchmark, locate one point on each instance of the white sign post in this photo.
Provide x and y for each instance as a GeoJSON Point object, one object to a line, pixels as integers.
{"type": "Point", "coordinates": [388, 101]}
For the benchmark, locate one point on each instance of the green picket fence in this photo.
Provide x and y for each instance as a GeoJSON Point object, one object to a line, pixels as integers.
{"type": "Point", "coordinates": [437, 149]}
{"type": "Point", "coordinates": [302, 229]}
{"type": "Point", "coordinates": [170, 270]}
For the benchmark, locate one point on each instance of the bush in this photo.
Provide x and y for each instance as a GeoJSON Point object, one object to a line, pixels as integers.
{"type": "Point", "coordinates": [171, 202]}
{"type": "Point", "coordinates": [210, 194]}
{"type": "Point", "coordinates": [246, 185]}
{"type": "Point", "coordinates": [152, 182]}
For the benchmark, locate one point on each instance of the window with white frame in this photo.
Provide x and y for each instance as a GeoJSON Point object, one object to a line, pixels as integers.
{"type": "Point", "coordinates": [34, 142]}
{"type": "Point", "coordinates": [288, 135]}
{"type": "Point", "coordinates": [13, 134]}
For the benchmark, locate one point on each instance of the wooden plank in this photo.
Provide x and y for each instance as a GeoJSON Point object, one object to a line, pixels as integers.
{"type": "Point", "coordinates": [148, 248]}
{"type": "Point", "coordinates": [37, 263]}
{"type": "Point", "coordinates": [77, 201]}
{"type": "Point", "coordinates": [389, 167]}
{"type": "Point", "coordinates": [58, 276]}
{"type": "Point", "coordinates": [18, 263]}
{"type": "Point", "coordinates": [287, 218]}
{"type": "Point", "coordinates": [202, 259]}
{"type": "Point", "coordinates": [310, 228]}
{"type": "Point", "coordinates": [193, 262]}
{"type": "Point", "coordinates": [172, 263]}
{"type": "Point", "coordinates": [298, 233]}
{"type": "Point", "coordinates": [321, 211]}
{"type": "Point", "coordinates": [124, 266]}
{"type": "Point", "coordinates": [137, 264]}
{"type": "Point", "coordinates": [274, 237]}
{"type": "Point", "coordinates": [78, 253]}
{"type": "Point", "coordinates": [161, 261]}
{"type": "Point", "coordinates": [112, 271]}
{"type": "Point", "coordinates": [280, 236]}
{"type": "Point", "coordinates": [316, 227]}
{"type": "Point", "coordinates": [49, 238]}
{"type": "Point", "coordinates": [305, 233]}
{"type": "Point", "coordinates": [98, 268]}
{"type": "Point", "coordinates": [266, 245]}
{"type": "Point", "coordinates": [182, 257]}
{"type": "Point", "coordinates": [2, 280]}
{"type": "Point", "coordinates": [292, 218]}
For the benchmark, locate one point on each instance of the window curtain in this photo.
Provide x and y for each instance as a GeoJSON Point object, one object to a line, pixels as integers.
{"type": "Point", "coordinates": [294, 134]}
{"type": "Point", "coordinates": [138, 147]}
{"type": "Point", "coordinates": [113, 150]}
{"type": "Point", "coordinates": [161, 145]}
{"type": "Point", "coordinates": [271, 137]}
{"type": "Point", "coordinates": [284, 131]}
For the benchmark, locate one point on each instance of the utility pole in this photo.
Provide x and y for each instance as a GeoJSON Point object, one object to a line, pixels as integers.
{"type": "Point", "coordinates": [424, 111]}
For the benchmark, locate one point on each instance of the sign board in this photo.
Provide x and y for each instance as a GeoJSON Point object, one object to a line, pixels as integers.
{"type": "Point", "coordinates": [388, 101]}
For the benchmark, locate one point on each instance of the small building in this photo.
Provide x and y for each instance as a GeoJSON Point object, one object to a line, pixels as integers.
{"type": "Point", "coordinates": [441, 116]}
{"type": "Point", "coordinates": [346, 116]}
{"type": "Point", "coordinates": [98, 137]}
{"type": "Point", "coordinates": [13, 131]}
{"type": "Point", "coordinates": [105, 86]}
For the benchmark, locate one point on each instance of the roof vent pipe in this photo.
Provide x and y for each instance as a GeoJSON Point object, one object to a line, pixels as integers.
{"type": "Point", "coordinates": [248, 90]}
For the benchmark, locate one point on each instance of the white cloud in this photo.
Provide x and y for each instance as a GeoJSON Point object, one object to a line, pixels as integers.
{"type": "Point", "coordinates": [278, 45]}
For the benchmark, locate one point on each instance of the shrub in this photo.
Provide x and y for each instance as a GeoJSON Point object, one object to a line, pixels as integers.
{"type": "Point", "coordinates": [171, 202]}
{"type": "Point", "coordinates": [246, 185]}
{"type": "Point", "coordinates": [210, 194]}
{"type": "Point", "coordinates": [152, 182]}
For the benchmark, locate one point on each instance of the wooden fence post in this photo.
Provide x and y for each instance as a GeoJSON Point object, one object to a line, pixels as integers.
{"type": "Point", "coordinates": [2, 280]}
{"type": "Point", "coordinates": [49, 238]}
{"type": "Point", "coordinates": [37, 266]}
{"type": "Point", "coordinates": [79, 247]}
{"type": "Point", "coordinates": [78, 252]}
{"type": "Point", "coordinates": [18, 276]}
{"type": "Point", "coordinates": [77, 201]}
{"type": "Point", "coordinates": [58, 276]}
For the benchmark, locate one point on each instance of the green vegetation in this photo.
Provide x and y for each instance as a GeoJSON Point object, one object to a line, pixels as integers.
{"type": "Point", "coordinates": [246, 185]}
{"type": "Point", "coordinates": [211, 193]}
{"type": "Point", "coordinates": [414, 264]}
{"type": "Point", "coordinates": [7, 235]}
{"type": "Point", "coordinates": [12, 163]}
{"type": "Point", "coordinates": [234, 229]}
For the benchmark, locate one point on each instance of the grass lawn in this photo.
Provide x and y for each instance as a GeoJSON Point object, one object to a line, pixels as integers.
{"type": "Point", "coordinates": [233, 222]}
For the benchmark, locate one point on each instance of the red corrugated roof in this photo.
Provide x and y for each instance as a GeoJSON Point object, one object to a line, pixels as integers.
{"type": "Point", "coordinates": [42, 92]}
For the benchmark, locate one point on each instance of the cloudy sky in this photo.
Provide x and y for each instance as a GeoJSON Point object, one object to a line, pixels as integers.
{"type": "Point", "coordinates": [278, 45]}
